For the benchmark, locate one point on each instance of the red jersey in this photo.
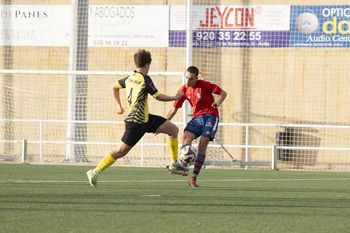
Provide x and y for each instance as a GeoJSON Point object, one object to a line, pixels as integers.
{"type": "Point", "coordinates": [200, 97]}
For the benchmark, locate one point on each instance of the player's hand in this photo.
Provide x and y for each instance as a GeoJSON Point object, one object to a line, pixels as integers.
{"type": "Point", "coordinates": [215, 105]}
{"type": "Point", "coordinates": [120, 110]}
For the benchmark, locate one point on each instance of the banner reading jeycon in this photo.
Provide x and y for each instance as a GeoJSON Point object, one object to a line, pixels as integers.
{"type": "Point", "coordinates": [320, 26]}
{"type": "Point", "coordinates": [128, 26]}
{"type": "Point", "coordinates": [233, 26]}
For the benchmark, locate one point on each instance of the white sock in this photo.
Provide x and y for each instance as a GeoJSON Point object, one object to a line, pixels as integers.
{"type": "Point", "coordinates": [175, 162]}
{"type": "Point", "coordinates": [95, 172]}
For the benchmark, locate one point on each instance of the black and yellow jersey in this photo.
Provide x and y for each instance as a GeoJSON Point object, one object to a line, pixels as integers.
{"type": "Point", "coordinates": [137, 87]}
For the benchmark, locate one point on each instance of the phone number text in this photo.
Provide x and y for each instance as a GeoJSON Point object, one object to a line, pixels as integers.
{"type": "Point", "coordinates": [110, 42]}
{"type": "Point", "coordinates": [227, 36]}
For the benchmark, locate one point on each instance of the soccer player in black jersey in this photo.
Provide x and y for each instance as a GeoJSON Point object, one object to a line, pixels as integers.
{"type": "Point", "coordinates": [139, 121]}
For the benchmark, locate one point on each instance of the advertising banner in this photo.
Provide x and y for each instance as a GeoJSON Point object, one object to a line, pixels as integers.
{"type": "Point", "coordinates": [232, 26]}
{"type": "Point", "coordinates": [109, 26]}
{"type": "Point", "coordinates": [320, 26]}
{"type": "Point", "coordinates": [165, 26]}
{"type": "Point", "coordinates": [128, 26]}
{"type": "Point", "coordinates": [35, 25]}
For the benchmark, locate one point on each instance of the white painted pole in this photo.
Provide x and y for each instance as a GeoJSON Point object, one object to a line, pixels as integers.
{"type": "Point", "coordinates": [72, 82]}
{"type": "Point", "coordinates": [247, 144]}
{"type": "Point", "coordinates": [24, 150]}
{"type": "Point", "coordinates": [189, 33]}
{"type": "Point", "coordinates": [143, 152]}
{"type": "Point", "coordinates": [188, 54]}
{"type": "Point", "coordinates": [41, 137]}
{"type": "Point", "coordinates": [273, 159]}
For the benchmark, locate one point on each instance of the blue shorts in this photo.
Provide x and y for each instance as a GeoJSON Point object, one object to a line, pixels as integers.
{"type": "Point", "coordinates": [203, 125]}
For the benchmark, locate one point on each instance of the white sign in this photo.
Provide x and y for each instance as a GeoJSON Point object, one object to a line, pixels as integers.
{"type": "Point", "coordinates": [228, 17]}
{"type": "Point", "coordinates": [178, 17]}
{"type": "Point", "coordinates": [109, 25]}
{"type": "Point", "coordinates": [35, 25]}
{"type": "Point", "coordinates": [129, 26]}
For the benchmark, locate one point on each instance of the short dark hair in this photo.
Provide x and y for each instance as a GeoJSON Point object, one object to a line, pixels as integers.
{"type": "Point", "coordinates": [142, 57]}
{"type": "Point", "coordinates": [193, 70]}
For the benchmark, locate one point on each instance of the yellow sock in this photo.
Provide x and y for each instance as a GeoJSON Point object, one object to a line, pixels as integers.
{"type": "Point", "coordinates": [107, 161]}
{"type": "Point", "coordinates": [173, 148]}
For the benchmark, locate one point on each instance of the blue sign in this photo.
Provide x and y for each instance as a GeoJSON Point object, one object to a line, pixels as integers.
{"type": "Point", "coordinates": [320, 26]}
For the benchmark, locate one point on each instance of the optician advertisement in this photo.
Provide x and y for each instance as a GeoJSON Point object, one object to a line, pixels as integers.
{"type": "Point", "coordinates": [320, 26]}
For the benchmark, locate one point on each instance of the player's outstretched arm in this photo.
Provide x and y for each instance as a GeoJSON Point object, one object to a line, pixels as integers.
{"type": "Point", "coordinates": [166, 98]}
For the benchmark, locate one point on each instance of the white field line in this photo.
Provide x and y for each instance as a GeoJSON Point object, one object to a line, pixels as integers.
{"type": "Point", "coordinates": [160, 181]}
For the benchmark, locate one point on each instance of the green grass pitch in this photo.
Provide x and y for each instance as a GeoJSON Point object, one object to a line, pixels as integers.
{"type": "Point", "coordinates": [43, 198]}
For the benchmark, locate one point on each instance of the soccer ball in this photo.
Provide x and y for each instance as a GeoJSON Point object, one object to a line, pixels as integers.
{"type": "Point", "coordinates": [188, 154]}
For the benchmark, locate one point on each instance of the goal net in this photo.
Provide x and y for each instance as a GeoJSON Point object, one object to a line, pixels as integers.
{"type": "Point", "coordinates": [284, 65]}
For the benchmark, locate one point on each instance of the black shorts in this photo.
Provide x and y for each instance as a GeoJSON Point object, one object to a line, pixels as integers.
{"type": "Point", "coordinates": [134, 132]}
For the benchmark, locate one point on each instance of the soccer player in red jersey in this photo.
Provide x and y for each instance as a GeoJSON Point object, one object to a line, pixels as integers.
{"type": "Point", "coordinates": [205, 119]}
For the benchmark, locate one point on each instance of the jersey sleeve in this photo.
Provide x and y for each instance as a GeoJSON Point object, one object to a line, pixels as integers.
{"type": "Point", "coordinates": [213, 88]}
{"type": "Point", "coordinates": [178, 103]}
{"type": "Point", "coordinates": [149, 86]}
{"type": "Point", "coordinates": [121, 83]}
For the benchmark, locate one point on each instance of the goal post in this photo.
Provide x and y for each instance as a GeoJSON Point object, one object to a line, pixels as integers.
{"type": "Point", "coordinates": [77, 84]}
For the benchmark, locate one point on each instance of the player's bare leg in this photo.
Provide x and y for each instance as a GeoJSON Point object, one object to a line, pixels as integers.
{"type": "Point", "coordinates": [188, 137]}
{"type": "Point", "coordinates": [172, 130]}
{"type": "Point", "coordinates": [107, 161]}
